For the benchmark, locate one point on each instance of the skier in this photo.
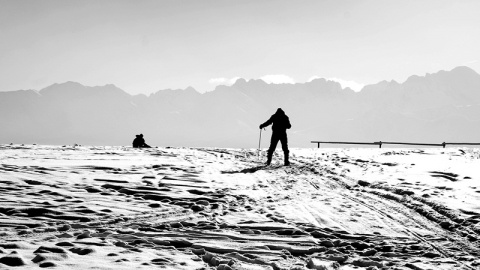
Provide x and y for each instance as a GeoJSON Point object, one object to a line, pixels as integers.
{"type": "Point", "coordinates": [280, 124]}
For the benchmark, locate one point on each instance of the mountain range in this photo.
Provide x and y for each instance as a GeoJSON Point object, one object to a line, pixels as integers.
{"type": "Point", "coordinates": [444, 106]}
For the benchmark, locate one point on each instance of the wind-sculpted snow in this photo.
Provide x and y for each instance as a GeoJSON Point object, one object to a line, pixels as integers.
{"type": "Point", "coordinates": [206, 208]}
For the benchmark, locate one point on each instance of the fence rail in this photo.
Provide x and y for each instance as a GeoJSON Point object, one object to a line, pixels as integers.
{"type": "Point", "coordinates": [380, 143]}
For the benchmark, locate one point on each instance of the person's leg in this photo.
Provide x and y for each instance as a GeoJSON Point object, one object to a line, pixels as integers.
{"type": "Point", "coordinates": [273, 145]}
{"type": "Point", "coordinates": [284, 141]}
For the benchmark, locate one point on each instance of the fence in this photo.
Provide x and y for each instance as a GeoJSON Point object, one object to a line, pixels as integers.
{"type": "Point", "coordinates": [380, 143]}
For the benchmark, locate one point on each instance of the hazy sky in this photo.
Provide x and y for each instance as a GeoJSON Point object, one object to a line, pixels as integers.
{"type": "Point", "coordinates": [144, 46]}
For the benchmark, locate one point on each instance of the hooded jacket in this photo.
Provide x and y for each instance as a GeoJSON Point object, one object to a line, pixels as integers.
{"type": "Point", "coordinates": [279, 122]}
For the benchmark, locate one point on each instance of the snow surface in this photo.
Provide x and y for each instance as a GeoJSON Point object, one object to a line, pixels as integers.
{"type": "Point", "coordinates": [82, 207]}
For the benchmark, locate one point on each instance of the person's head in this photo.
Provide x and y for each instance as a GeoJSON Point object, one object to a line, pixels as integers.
{"type": "Point", "coordinates": [280, 111]}
{"type": "Point", "coordinates": [141, 135]}
{"type": "Point", "coordinates": [137, 136]}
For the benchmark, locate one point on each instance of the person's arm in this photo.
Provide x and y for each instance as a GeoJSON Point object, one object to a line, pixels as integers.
{"type": "Point", "coordinates": [288, 126]}
{"type": "Point", "coordinates": [266, 124]}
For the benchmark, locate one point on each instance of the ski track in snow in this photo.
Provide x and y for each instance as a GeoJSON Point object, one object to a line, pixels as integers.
{"type": "Point", "coordinates": [205, 208]}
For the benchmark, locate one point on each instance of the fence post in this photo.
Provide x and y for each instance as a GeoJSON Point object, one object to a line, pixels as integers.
{"type": "Point", "coordinates": [318, 145]}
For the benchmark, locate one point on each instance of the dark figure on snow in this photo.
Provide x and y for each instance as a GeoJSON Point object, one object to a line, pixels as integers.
{"type": "Point", "coordinates": [139, 142]}
{"type": "Point", "coordinates": [280, 124]}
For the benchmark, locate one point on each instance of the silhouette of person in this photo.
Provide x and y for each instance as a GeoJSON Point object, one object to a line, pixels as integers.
{"type": "Point", "coordinates": [139, 142]}
{"type": "Point", "coordinates": [280, 123]}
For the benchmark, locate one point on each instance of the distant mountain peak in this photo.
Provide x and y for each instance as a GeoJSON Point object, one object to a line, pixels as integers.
{"type": "Point", "coordinates": [464, 69]}
{"type": "Point", "coordinates": [190, 89]}
{"type": "Point", "coordinates": [61, 87]}
{"type": "Point", "coordinates": [111, 85]}
{"type": "Point", "coordinates": [240, 81]}
{"type": "Point", "coordinates": [69, 83]}
{"type": "Point", "coordinates": [460, 73]}
{"type": "Point", "coordinates": [415, 78]}
{"type": "Point", "coordinates": [318, 80]}
{"type": "Point", "coordinates": [73, 90]}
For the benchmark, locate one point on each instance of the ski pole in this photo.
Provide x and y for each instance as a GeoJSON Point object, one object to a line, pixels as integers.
{"type": "Point", "coordinates": [259, 140]}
